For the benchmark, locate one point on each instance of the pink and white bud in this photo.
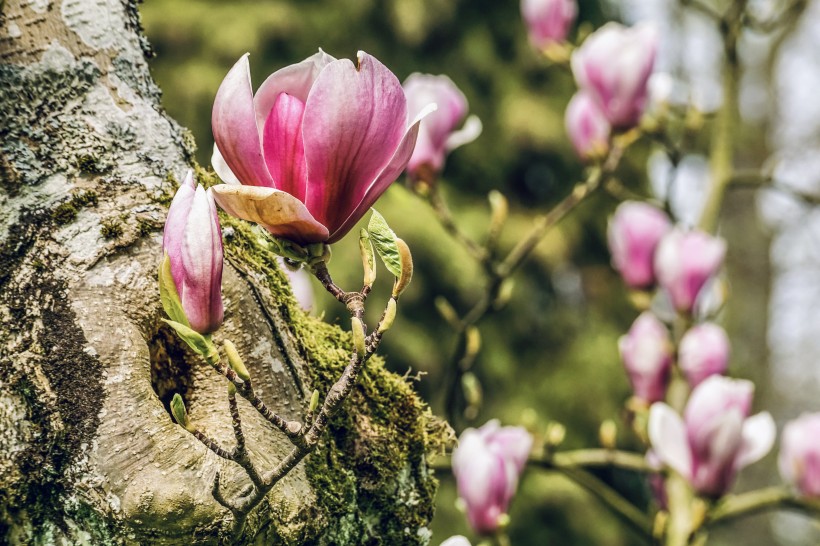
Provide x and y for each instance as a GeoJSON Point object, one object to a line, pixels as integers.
{"type": "Point", "coordinates": [716, 437]}
{"type": "Point", "coordinates": [614, 64]}
{"type": "Point", "coordinates": [684, 262]}
{"type": "Point", "coordinates": [703, 351]}
{"type": "Point", "coordinates": [646, 352]}
{"type": "Point", "coordinates": [548, 21]}
{"type": "Point", "coordinates": [193, 241]}
{"type": "Point", "coordinates": [486, 465]}
{"type": "Point", "coordinates": [587, 127]}
{"type": "Point", "coordinates": [438, 133]}
{"type": "Point", "coordinates": [799, 459]}
{"type": "Point", "coordinates": [634, 232]}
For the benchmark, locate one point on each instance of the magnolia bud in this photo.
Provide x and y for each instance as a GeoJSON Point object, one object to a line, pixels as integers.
{"type": "Point", "coordinates": [548, 21]}
{"type": "Point", "coordinates": [389, 316]}
{"type": "Point", "coordinates": [608, 434]}
{"type": "Point", "coordinates": [314, 401]}
{"type": "Point", "coordinates": [647, 355]}
{"type": "Point", "coordinates": [406, 268]}
{"type": "Point", "coordinates": [703, 351]}
{"type": "Point", "coordinates": [799, 459]}
{"type": "Point", "coordinates": [587, 127]}
{"type": "Point", "coordinates": [179, 412]}
{"type": "Point", "coordinates": [236, 361]}
{"type": "Point", "coordinates": [357, 329]}
{"type": "Point", "coordinates": [368, 258]}
{"type": "Point", "coordinates": [633, 235]}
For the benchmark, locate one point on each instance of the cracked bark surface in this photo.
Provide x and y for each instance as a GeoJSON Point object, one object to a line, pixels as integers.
{"type": "Point", "coordinates": [88, 451]}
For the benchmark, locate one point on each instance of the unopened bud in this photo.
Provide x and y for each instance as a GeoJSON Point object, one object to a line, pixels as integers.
{"type": "Point", "coordinates": [472, 342]}
{"type": "Point", "coordinates": [556, 432]}
{"type": "Point", "coordinates": [660, 523]}
{"type": "Point", "coordinates": [406, 268]}
{"type": "Point", "coordinates": [503, 521]}
{"type": "Point", "coordinates": [505, 292]}
{"type": "Point", "coordinates": [608, 434]}
{"type": "Point", "coordinates": [357, 328]}
{"type": "Point", "coordinates": [473, 393]}
{"type": "Point", "coordinates": [389, 316]}
{"type": "Point", "coordinates": [446, 310]}
{"type": "Point", "coordinates": [236, 361]}
{"type": "Point", "coordinates": [368, 258]}
{"type": "Point", "coordinates": [499, 209]}
{"type": "Point", "coordinates": [179, 412]}
{"type": "Point", "coordinates": [314, 401]}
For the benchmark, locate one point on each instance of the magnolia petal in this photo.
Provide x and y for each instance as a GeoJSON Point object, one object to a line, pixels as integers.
{"type": "Point", "coordinates": [387, 176]}
{"type": "Point", "coordinates": [234, 126]}
{"type": "Point", "coordinates": [295, 80]}
{"type": "Point", "coordinates": [277, 211]}
{"type": "Point", "coordinates": [355, 119]}
{"type": "Point", "coordinates": [221, 168]}
{"type": "Point", "coordinates": [759, 432]}
{"type": "Point", "coordinates": [667, 434]}
{"type": "Point", "coordinates": [470, 131]}
{"type": "Point", "coordinates": [284, 148]}
{"type": "Point", "coordinates": [172, 236]}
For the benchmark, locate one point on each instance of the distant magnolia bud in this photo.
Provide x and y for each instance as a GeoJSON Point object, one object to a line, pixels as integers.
{"type": "Point", "coordinates": [587, 127]}
{"type": "Point", "coordinates": [633, 234]}
{"type": "Point", "coordinates": [799, 459]}
{"type": "Point", "coordinates": [439, 132]}
{"type": "Point", "coordinates": [684, 262]}
{"type": "Point", "coordinates": [715, 438]}
{"type": "Point", "coordinates": [548, 21]}
{"type": "Point", "coordinates": [614, 64]}
{"type": "Point", "coordinates": [486, 465]}
{"type": "Point", "coordinates": [193, 241]}
{"type": "Point", "coordinates": [646, 352]}
{"type": "Point", "coordinates": [703, 351]}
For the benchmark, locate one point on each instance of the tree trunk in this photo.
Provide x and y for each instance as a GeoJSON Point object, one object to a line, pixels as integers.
{"type": "Point", "coordinates": [88, 450]}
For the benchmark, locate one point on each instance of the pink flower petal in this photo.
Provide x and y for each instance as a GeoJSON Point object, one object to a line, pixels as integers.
{"type": "Point", "coordinates": [221, 168]}
{"type": "Point", "coordinates": [234, 126]}
{"type": "Point", "coordinates": [175, 226]}
{"type": "Point", "coordinates": [283, 146]}
{"type": "Point", "coordinates": [295, 80]}
{"type": "Point", "coordinates": [759, 433]}
{"type": "Point", "coordinates": [667, 434]}
{"type": "Point", "coordinates": [355, 119]}
{"type": "Point", "coordinates": [387, 176]}
{"type": "Point", "coordinates": [278, 212]}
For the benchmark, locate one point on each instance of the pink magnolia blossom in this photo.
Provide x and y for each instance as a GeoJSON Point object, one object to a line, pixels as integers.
{"type": "Point", "coordinates": [716, 437]}
{"type": "Point", "coordinates": [703, 351]}
{"type": "Point", "coordinates": [647, 355]}
{"type": "Point", "coordinates": [439, 133]}
{"type": "Point", "coordinates": [193, 241]}
{"type": "Point", "coordinates": [487, 464]}
{"type": "Point", "coordinates": [799, 459]}
{"type": "Point", "coordinates": [614, 64]}
{"type": "Point", "coordinates": [634, 232]}
{"type": "Point", "coordinates": [684, 262]}
{"type": "Point", "coordinates": [314, 148]}
{"type": "Point", "coordinates": [548, 21]}
{"type": "Point", "coordinates": [587, 126]}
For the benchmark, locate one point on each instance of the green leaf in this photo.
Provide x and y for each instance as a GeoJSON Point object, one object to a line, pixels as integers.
{"type": "Point", "coordinates": [385, 242]}
{"type": "Point", "coordinates": [168, 293]}
{"type": "Point", "coordinates": [196, 341]}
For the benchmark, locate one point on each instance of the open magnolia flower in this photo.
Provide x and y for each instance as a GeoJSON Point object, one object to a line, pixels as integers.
{"type": "Point", "coordinates": [314, 148]}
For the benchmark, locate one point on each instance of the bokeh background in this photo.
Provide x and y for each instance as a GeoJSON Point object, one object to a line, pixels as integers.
{"type": "Point", "coordinates": [550, 355]}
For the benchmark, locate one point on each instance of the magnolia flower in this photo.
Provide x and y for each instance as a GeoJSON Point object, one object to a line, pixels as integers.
{"type": "Point", "coordinates": [438, 134]}
{"type": "Point", "coordinates": [647, 355]}
{"type": "Point", "coordinates": [684, 262]}
{"type": "Point", "coordinates": [703, 351]}
{"type": "Point", "coordinates": [587, 127]}
{"type": "Point", "coordinates": [634, 232]}
{"type": "Point", "coordinates": [548, 21]}
{"type": "Point", "coordinates": [799, 459]}
{"type": "Point", "coordinates": [614, 64]}
{"type": "Point", "coordinates": [715, 438]}
{"type": "Point", "coordinates": [193, 241]}
{"type": "Point", "coordinates": [487, 464]}
{"type": "Point", "coordinates": [314, 148]}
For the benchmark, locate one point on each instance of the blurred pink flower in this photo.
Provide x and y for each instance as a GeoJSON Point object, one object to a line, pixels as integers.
{"type": "Point", "coordinates": [587, 127]}
{"type": "Point", "coordinates": [647, 355]}
{"type": "Point", "coordinates": [439, 133]}
{"type": "Point", "coordinates": [634, 232]}
{"type": "Point", "coordinates": [799, 459]}
{"type": "Point", "coordinates": [314, 148]}
{"type": "Point", "coordinates": [703, 351]}
{"type": "Point", "coordinates": [614, 64]}
{"type": "Point", "coordinates": [487, 464]}
{"type": "Point", "coordinates": [193, 241]}
{"type": "Point", "coordinates": [684, 262]}
{"type": "Point", "coordinates": [716, 438]}
{"type": "Point", "coordinates": [548, 21]}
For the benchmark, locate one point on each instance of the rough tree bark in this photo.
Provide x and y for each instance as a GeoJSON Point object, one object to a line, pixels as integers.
{"type": "Point", "coordinates": [88, 451]}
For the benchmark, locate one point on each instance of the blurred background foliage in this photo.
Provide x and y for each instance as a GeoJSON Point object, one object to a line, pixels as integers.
{"type": "Point", "coordinates": [550, 355]}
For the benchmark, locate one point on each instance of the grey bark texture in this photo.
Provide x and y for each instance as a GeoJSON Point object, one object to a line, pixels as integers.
{"type": "Point", "coordinates": [88, 451]}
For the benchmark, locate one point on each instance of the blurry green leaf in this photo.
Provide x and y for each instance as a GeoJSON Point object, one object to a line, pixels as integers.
{"type": "Point", "coordinates": [385, 242]}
